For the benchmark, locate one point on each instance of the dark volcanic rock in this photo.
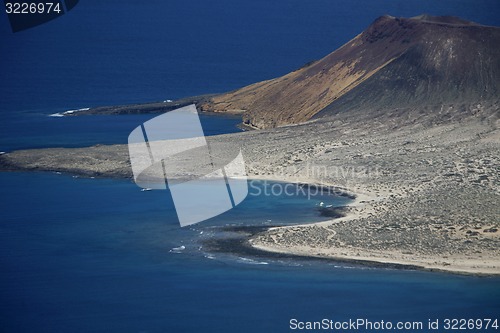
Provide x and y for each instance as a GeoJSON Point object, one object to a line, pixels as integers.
{"type": "Point", "coordinates": [154, 107]}
{"type": "Point", "coordinates": [334, 212]}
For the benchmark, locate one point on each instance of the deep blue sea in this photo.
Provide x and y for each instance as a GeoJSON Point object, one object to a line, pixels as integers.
{"type": "Point", "coordinates": [97, 255]}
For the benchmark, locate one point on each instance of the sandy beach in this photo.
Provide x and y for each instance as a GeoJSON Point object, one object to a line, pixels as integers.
{"type": "Point", "coordinates": [427, 194]}
{"type": "Point", "coordinates": [426, 199]}
{"type": "Point", "coordinates": [384, 226]}
{"type": "Point", "coordinates": [275, 240]}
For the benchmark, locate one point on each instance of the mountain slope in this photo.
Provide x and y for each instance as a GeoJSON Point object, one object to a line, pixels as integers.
{"type": "Point", "coordinates": [395, 63]}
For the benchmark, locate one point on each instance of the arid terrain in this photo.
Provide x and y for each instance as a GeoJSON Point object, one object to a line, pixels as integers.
{"type": "Point", "coordinates": [424, 196]}
{"type": "Point", "coordinates": [413, 133]}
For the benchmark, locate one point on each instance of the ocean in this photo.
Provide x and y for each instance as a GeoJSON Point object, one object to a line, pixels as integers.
{"type": "Point", "coordinates": [99, 255]}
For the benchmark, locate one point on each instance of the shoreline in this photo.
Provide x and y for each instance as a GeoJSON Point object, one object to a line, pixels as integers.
{"type": "Point", "coordinates": [389, 259]}
{"type": "Point", "coordinates": [242, 246]}
{"type": "Point", "coordinates": [358, 256]}
{"type": "Point", "coordinates": [426, 197]}
{"type": "Point", "coordinates": [381, 262]}
{"type": "Point", "coordinates": [246, 244]}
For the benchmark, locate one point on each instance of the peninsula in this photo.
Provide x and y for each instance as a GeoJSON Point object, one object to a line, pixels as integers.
{"type": "Point", "coordinates": [405, 116]}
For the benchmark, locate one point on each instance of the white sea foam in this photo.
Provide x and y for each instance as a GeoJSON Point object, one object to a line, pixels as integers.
{"type": "Point", "coordinates": [75, 110]}
{"type": "Point", "coordinates": [178, 249]}
{"type": "Point", "coordinates": [68, 112]}
{"type": "Point", "coordinates": [251, 261]}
